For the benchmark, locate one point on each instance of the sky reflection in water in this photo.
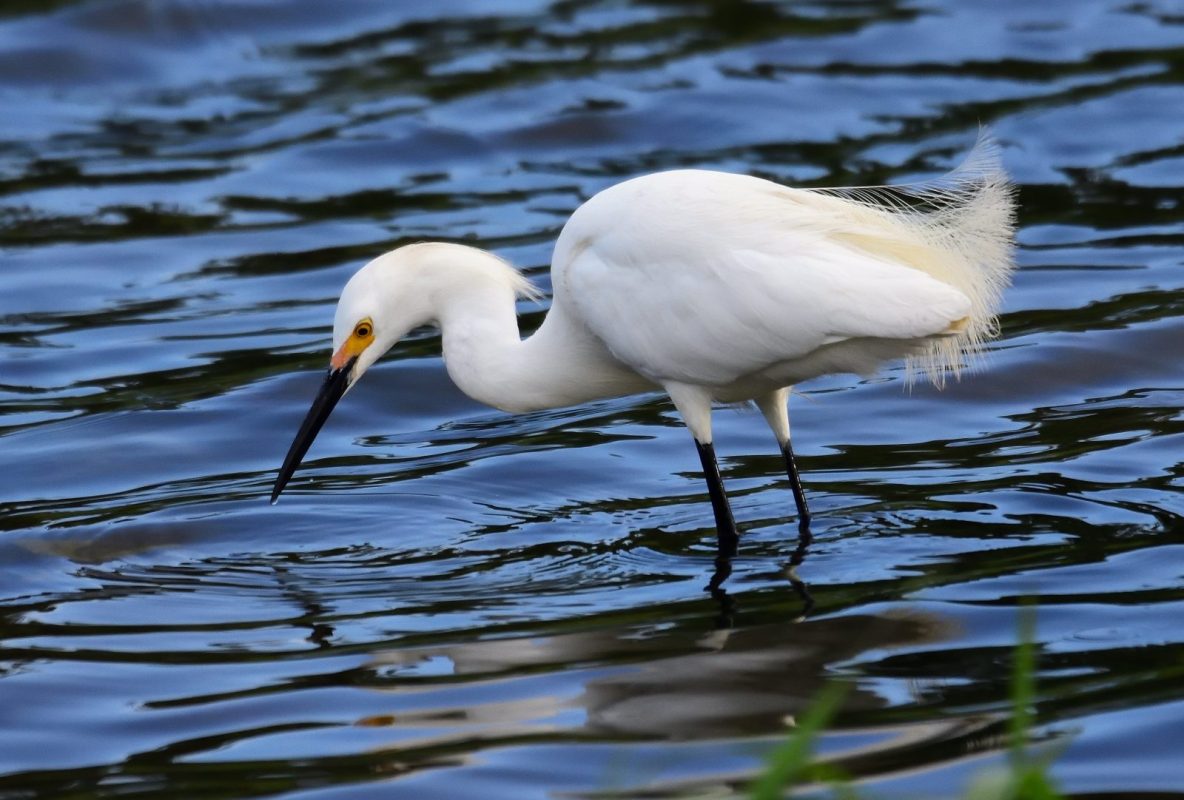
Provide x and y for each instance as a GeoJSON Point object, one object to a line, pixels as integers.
{"type": "Point", "coordinates": [450, 602]}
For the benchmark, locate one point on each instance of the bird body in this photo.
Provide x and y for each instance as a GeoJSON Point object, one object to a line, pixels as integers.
{"type": "Point", "coordinates": [710, 286]}
{"type": "Point", "coordinates": [739, 285]}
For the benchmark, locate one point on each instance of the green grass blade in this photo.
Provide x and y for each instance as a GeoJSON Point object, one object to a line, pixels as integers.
{"type": "Point", "coordinates": [790, 759]}
{"type": "Point", "coordinates": [1023, 682]}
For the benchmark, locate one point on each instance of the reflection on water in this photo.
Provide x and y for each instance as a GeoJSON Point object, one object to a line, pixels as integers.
{"type": "Point", "coordinates": [451, 602]}
{"type": "Point", "coordinates": [726, 553]}
{"type": "Point", "coordinates": [677, 684]}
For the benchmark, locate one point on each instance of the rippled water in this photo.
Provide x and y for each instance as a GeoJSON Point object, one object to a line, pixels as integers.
{"type": "Point", "coordinates": [450, 602]}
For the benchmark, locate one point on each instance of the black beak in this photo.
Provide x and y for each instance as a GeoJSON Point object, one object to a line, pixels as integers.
{"type": "Point", "coordinates": [336, 382]}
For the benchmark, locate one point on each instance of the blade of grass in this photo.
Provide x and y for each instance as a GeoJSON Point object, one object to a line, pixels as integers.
{"type": "Point", "coordinates": [1029, 777]}
{"type": "Point", "coordinates": [790, 759]}
{"type": "Point", "coordinates": [1023, 682]}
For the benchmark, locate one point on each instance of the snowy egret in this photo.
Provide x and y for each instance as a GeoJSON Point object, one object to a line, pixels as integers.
{"type": "Point", "coordinates": [712, 287]}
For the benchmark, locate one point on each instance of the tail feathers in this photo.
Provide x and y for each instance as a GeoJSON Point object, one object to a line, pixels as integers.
{"type": "Point", "coordinates": [960, 230]}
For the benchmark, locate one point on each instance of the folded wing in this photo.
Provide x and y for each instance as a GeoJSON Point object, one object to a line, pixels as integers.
{"type": "Point", "coordinates": [705, 277]}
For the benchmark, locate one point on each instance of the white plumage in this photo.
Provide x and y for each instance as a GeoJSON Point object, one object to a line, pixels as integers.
{"type": "Point", "coordinates": [710, 286]}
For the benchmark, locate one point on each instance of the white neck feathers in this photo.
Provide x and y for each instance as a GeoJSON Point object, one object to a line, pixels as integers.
{"type": "Point", "coordinates": [471, 294]}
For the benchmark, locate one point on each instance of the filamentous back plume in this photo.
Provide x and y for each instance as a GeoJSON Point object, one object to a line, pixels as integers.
{"type": "Point", "coordinates": [958, 228]}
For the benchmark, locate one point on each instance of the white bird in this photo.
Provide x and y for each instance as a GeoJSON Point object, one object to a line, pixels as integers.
{"type": "Point", "coordinates": [711, 287]}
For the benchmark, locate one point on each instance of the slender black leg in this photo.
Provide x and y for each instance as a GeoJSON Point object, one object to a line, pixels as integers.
{"type": "Point", "coordinates": [795, 483]}
{"type": "Point", "coordinates": [725, 526]}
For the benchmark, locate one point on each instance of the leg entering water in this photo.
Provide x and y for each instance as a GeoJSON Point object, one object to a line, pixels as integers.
{"type": "Point", "coordinates": [795, 484]}
{"type": "Point", "coordinates": [725, 525]}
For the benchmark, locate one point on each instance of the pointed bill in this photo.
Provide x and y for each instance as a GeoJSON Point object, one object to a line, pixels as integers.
{"type": "Point", "coordinates": [336, 382]}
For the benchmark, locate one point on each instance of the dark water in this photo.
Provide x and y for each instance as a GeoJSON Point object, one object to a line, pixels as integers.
{"type": "Point", "coordinates": [453, 603]}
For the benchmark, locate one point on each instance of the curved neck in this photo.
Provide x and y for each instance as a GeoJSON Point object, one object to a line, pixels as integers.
{"type": "Point", "coordinates": [561, 364]}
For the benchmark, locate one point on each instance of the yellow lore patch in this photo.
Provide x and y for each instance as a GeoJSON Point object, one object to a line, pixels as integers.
{"type": "Point", "coordinates": [358, 341]}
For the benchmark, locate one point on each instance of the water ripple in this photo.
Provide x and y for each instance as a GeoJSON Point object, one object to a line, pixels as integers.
{"type": "Point", "coordinates": [453, 602]}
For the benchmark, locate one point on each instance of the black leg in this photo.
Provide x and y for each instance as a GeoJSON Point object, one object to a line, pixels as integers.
{"type": "Point", "coordinates": [725, 526]}
{"type": "Point", "coordinates": [795, 483]}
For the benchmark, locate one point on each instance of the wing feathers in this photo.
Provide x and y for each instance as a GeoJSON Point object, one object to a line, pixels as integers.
{"type": "Point", "coordinates": [706, 277]}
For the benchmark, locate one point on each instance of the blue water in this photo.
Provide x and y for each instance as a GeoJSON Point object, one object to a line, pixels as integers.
{"type": "Point", "coordinates": [451, 602]}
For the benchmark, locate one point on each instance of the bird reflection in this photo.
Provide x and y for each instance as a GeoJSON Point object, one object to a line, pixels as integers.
{"type": "Point", "coordinates": [320, 633]}
{"type": "Point", "coordinates": [726, 551]}
{"type": "Point", "coordinates": [655, 680]}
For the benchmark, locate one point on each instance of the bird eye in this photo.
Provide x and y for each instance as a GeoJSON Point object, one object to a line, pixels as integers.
{"type": "Point", "coordinates": [362, 331]}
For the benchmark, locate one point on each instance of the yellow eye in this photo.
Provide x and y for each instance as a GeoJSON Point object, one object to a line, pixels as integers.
{"type": "Point", "coordinates": [363, 330]}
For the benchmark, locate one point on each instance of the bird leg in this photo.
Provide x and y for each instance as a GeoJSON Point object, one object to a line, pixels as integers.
{"type": "Point", "coordinates": [775, 407]}
{"type": "Point", "coordinates": [795, 483]}
{"type": "Point", "coordinates": [725, 525]}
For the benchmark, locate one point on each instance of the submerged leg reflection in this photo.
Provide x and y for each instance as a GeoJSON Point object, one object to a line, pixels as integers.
{"type": "Point", "coordinates": [795, 560]}
{"type": "Point", "coordinates": [723, 570]}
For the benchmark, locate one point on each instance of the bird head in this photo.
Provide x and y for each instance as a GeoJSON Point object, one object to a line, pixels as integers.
{"type": "Point", "coordinates": [378, 306]}
{"type": "Point", "coordinates": [393, 294]}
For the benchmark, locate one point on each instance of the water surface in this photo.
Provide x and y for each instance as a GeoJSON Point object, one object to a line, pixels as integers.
{"type": "Point", "coordinates": [451, 602]}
